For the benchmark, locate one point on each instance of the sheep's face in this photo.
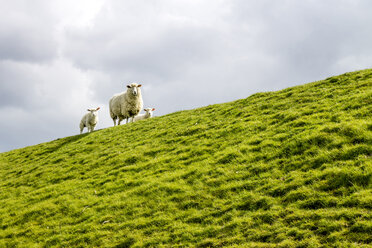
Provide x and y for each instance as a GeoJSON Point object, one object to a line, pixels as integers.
{"type": "Point", "coordinates": [133, 88]}
{"type": "Point", "coordinates": [149, 111]}
{"type": "Point", "coordinates": [94, 111]}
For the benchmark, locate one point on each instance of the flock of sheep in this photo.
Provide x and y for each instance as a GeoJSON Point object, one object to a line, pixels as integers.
{"type": "Point", "coordinates": [122, 106]}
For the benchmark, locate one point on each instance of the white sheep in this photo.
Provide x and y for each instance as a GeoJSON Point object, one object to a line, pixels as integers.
{"type": "Point", "coordinates": [89, 120]}
{"type": "Point", "coordinates": [147, 115]}
{"type": "Point", "coordinates": [126, 104]}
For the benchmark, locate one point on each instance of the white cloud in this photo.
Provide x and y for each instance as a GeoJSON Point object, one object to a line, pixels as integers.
{"type": "Point", "coordinates": [71, 13]}
{"type": "Point", "coordinates": [26, 31]}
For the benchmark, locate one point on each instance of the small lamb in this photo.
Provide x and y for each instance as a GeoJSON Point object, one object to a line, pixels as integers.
{"type": "Point", "coordinates": [147, 115]}
{"type": "Point", "coordinates": [89, 120]}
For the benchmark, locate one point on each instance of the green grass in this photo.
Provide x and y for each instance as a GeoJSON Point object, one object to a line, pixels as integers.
{"type": "Point", "coordinates": [279, 169]}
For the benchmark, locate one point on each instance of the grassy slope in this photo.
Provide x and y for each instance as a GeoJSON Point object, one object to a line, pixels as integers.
{"type": "Point", "coordinates": [282, 169]}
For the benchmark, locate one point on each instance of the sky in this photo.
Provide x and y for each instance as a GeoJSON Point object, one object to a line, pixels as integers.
{"type": "Point", "coordinates": [60, 57]}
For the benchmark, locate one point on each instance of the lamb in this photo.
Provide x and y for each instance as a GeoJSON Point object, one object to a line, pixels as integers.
{"type": "Point", "coordinates": [147, 115]}
{"type": "Point", "coordinates": [126, 104]}
{"type": "Point", "coordinates": [89, 120]}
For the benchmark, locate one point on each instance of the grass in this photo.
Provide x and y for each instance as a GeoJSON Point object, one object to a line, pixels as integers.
{"type": "Point", "coordinates": [279, 169]}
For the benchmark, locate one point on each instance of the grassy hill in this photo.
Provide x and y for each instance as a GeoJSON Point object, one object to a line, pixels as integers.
{"type": "Point", "coordinates": [280, 169]}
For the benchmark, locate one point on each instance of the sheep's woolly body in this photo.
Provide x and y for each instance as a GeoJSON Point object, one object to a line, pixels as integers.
{"type": "Point", "coordinates": [125, 105]}
{"type": "Point", "coordinates": [89, 120]}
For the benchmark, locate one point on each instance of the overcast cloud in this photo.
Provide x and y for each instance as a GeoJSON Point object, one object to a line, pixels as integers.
{"type": "Point", "coordinates": [60, 57]}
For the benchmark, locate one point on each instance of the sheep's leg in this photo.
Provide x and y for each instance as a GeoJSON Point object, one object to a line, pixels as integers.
{"type": "Point", "coordinates": [81, 128]}
{"type": "Point", "coordinates": [120, 119]}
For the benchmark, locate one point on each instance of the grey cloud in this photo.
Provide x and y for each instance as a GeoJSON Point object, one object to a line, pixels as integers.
{"type": "Point", "coordinates": [307, 36]}
{"type": "Point", "coordinates": [27, 45]}
{"type": "Point", "coordinates": [254, 46]}
{"type": "Point", "coordinates": [165, 55]}
{"type": "Point", "coordinates": [17, 88]}
{"type": "Point", "coordinates": [27, 31]}
{"type": "Point", "coordinates": [168, 56]}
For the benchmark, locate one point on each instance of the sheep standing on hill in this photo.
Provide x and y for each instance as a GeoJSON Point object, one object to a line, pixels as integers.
{"type": "Point", "coordinates": [127, 104]}
{"type": "Point", "coordinates": [89, 120]}
{"type": "Point", "coordinates": [147, 115]}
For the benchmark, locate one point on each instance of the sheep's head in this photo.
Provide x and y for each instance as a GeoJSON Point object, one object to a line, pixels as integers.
{"type": "Point", "coordinates": [149, 111]}
{"type": "Point", "coordinates": [94, 111]}
{"type": "Point", "coordinates": [133, 88]}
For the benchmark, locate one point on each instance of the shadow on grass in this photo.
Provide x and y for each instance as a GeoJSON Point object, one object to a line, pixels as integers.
{"type": "Point", "coordinates": [62, 142]}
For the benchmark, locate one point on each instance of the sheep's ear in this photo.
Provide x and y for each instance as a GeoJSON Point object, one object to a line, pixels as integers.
{"type": "Point", "coordinates": [88, 109]}
{"type": "Point", "coordinates": [139, 85]}
{"type": "Point", "coordinates": [98, 108]}
{"type": "Point", "coordinates": [128, 86]}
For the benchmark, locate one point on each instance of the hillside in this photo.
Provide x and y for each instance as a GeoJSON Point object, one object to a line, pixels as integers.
{"type": "Point", "coordinates": [290, 168]}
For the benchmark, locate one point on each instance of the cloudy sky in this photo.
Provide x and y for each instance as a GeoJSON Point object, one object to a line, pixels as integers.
{"type": "Point", "coordinates": [60, 57]}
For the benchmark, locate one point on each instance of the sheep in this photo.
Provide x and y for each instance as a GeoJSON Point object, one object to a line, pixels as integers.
{"type": "Point", "coordinates": [126, 104]}
{"type": "Point", "coordinates": [89, 120]}
{"type": "Point", "coordinates": [147, 115]}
